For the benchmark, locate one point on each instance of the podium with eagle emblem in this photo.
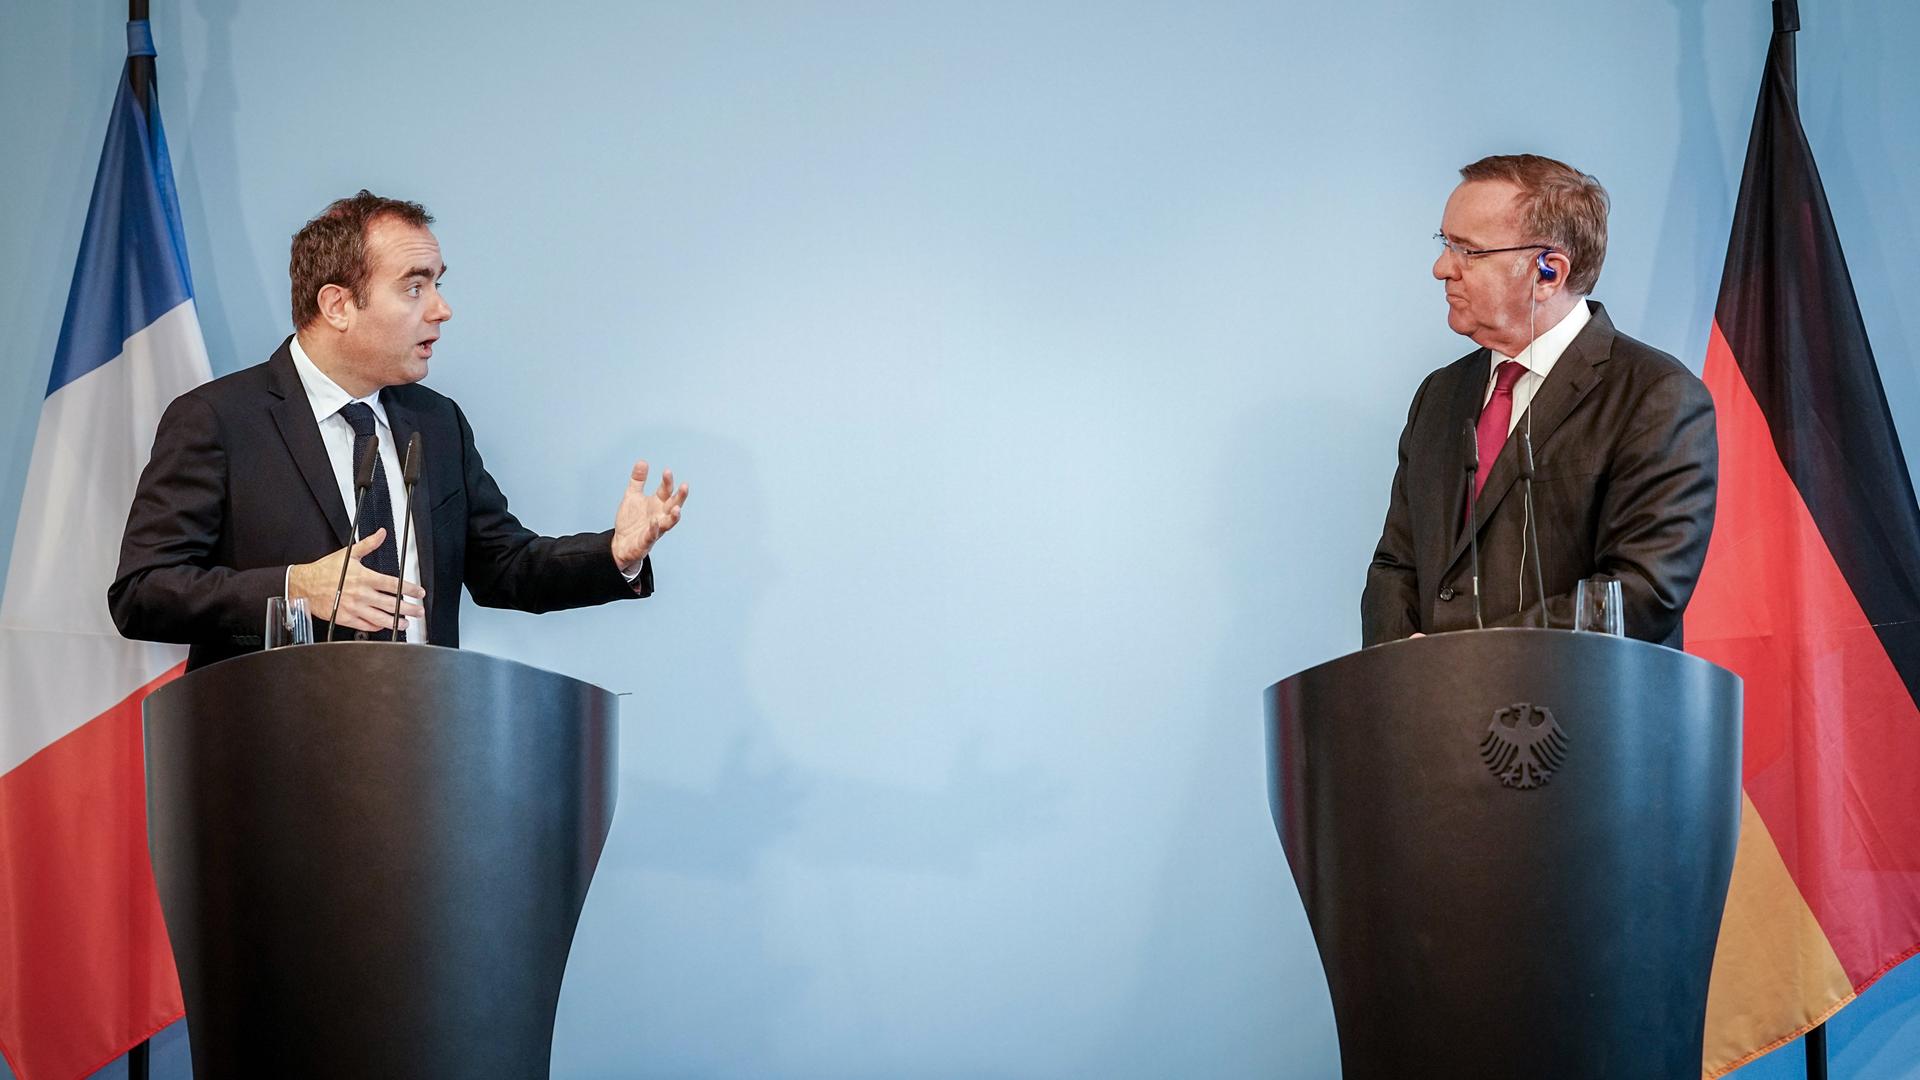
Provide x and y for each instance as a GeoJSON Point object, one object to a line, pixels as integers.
{"type": "Point", "coordinates": [1513, 847]}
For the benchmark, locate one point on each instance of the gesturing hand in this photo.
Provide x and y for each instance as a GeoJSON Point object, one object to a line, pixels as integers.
{"type": "Point", "coordinates": [643, 518]}
{"type": "Point", "coordinates": [366, 603]}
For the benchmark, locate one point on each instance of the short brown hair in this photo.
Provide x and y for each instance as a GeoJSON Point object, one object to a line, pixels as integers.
{"type": "Point", "coordinates": [1559, 205]}
{"type": "Point", "coordinates": [331, 249]}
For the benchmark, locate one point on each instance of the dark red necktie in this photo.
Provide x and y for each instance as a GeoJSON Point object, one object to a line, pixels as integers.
{"type": "Point", "coordinates": [1491, 433]}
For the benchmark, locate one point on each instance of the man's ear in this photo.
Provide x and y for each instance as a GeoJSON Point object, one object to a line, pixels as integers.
{"type": "Point", "coordinates": [335, 300]}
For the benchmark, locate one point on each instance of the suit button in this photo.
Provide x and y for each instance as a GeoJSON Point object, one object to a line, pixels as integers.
{"type": "Point", "coordinates": [359, 635]}
{"type": "Point", "coordinates": [1446, 592]}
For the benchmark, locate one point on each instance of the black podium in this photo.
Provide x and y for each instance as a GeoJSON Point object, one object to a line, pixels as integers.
{"type": "Point", "coordinates": [1513, 847]}
{"type": "Point", "coordinates": [371, 857]}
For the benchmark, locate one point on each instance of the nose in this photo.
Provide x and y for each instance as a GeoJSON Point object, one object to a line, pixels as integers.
{"type": "Point", "coordinates": [1444, 266]}
{"type": "Point", "coordinates": [441, 311]}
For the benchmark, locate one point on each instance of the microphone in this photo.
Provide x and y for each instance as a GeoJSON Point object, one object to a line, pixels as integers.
{"type": "Point", "coordinates": [1473, 534]}
{"type": "Point", "coordinates": [410, 475]}
{"type": "Point", "coordinates": [1533, 526]}
{"type": "Point", "coordinates": [362, 480]}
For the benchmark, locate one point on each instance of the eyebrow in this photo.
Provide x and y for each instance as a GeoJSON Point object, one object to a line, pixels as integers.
{"type": "Point", "coordinates": [422, 272]}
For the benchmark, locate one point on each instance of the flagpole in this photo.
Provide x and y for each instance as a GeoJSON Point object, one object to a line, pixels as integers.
{"type": "Point", "coordinates": [139, 68]}
{"type": "Point", "coordinates": [1786, 20]}
{"type": "Point", "coordinates": [140, 73]}
{"type": "Point", "coordinates": [1816, 1042]}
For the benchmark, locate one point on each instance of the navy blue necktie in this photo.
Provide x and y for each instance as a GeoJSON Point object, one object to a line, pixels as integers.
{"type": "Point", "coordinates": [377, 513]}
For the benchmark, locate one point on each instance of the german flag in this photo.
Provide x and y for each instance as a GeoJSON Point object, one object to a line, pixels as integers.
{"type": "Point", "coordinates": [1811, 593]}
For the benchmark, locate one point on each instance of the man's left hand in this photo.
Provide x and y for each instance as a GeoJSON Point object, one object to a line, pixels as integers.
{"type": "Point", "coordinates": [644, 517]}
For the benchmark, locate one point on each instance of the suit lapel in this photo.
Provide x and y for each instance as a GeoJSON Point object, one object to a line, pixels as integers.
{"type": "Point", "coordinates": [294, 417]}
{"type": "Point", "coordinates": [419, 506]}
{"type": "Point", "coordinates": [1574, 375]}
{"type": "Point", "coordinates": [1464, 410]}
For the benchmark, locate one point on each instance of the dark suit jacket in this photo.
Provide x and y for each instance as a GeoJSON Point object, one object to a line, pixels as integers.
{"type": "Point", "coordinates": [1625, 466]}
{"type": "Point", "coordinates": [239, 487]}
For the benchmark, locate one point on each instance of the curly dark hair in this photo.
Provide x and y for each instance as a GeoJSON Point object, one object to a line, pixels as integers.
{"type": "Point", "coordinates": [331, 249]}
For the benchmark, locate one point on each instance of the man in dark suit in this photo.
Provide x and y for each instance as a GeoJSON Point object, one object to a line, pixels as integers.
{"type": "Point", "coordinates": [249, 490]}
{"type": "Point", "coordinates": [1623, 437]}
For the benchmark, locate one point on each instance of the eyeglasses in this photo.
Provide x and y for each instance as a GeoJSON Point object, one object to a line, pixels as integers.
{"type": "Point", "coordinates": [1466, 253]}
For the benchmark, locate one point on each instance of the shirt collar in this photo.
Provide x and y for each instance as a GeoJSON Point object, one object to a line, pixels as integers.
{"type": "Point", "coordinates": [325, 396]}
{"type": "Point", "coordinates": [1548, 346]}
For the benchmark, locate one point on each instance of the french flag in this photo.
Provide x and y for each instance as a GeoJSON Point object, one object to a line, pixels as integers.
{"type": "Point", "coordinates": [85, 969]}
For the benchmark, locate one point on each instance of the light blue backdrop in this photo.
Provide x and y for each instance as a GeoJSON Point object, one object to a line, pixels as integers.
{"type": "Point", "coordinates": [1037, 369]}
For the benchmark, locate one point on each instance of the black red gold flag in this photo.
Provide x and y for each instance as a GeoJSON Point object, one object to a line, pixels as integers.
{"type": "Point", "coordinates": [1811, 593]}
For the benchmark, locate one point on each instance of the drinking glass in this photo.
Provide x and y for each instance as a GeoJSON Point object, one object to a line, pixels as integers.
{"type": "Point", "coordinates": [1597, 606]}
{"type": "Point", "coordinates": [287, 622]}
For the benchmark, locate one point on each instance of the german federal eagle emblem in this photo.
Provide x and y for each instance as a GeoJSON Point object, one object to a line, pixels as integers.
{"type": "Point", "coordinates": [1524, 745]}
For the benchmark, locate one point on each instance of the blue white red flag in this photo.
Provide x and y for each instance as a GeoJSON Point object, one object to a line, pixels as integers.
{"type": "Point", "coordinates": [85, 968]}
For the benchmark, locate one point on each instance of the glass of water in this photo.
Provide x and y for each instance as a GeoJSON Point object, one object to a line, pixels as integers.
{"type": "Point", "coordinates": [287, 622]}
{"type": "Point", "coordinates": [1597, 606]}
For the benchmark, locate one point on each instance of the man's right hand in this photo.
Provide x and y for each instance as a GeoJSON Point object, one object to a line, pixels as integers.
{"type": "Point", "coordinates": [366, 603]}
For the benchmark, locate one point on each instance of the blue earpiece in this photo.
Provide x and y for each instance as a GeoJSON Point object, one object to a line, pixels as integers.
{"type": "Point", "coordinates": [1547, 272]}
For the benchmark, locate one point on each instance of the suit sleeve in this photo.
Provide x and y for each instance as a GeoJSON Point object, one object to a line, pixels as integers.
{"type": "Point", "coordinates": [1390, 603]}
{"type": "Point", "coordinates": [1657, 512]}
{"type": "Point", "coordinates": [168, 587]}
{"type": "Point", "coordinates": [510, 566]}
{"type": "Point", "coordinates": [1657, 515]}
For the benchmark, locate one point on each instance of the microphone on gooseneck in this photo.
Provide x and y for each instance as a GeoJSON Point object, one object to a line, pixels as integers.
{"type": "Point", "coordinates": [362, 480]}
{"type": "Point", "coordinates": [410, 475]}
{"type": "Point", "coordinates": [1473, 534]}
{"type": "Point", "coordinates": [1533, 526]}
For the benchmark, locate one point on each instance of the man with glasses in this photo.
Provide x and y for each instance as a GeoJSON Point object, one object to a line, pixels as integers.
{"type": "Point", "coordinates": [1624, 456]}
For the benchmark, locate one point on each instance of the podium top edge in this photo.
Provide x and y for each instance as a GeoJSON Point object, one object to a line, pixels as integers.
{"type": "Point", "coordinates": [1466, 641]}
{"type": "Point", "coordinates": [235, 666]}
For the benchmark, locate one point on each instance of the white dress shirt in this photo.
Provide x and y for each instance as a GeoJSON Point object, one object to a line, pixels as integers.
{"type": "Point", "coordinates": [1538, 359]}
{"type": "Point", "coordinates": [327, 399]}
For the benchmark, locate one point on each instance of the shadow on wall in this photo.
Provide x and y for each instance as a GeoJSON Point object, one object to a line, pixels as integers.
{"type": "Point", "coordinates": [1247, 972]}
{"type": "Point", "coordinates": [685, 960]}
{"type": "Point", "coordinates": [53, 251]}
{"type": "Point", "coordinates": [759, 794]}
{"type": "Point", "coordinates": [211, 169]}
{"type": "Point", "coordinates": [1691, 247]}
{"type": "Point", "coordinates": [1842, 169]}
